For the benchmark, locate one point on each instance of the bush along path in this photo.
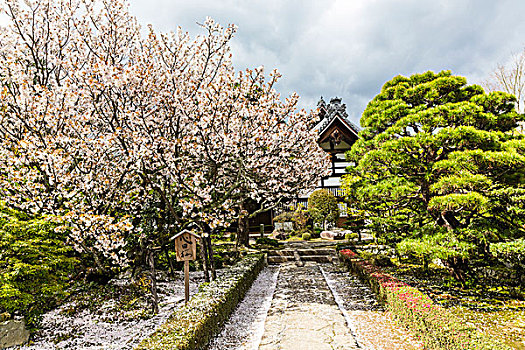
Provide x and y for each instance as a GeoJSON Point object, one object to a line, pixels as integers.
{"type": "Point", "coordinates": [437, 327]}
{"type": "Point", "coordinates": [192, 326]}
{"type": "Point", "coordinates": [312, 306]}
{"type": "Point", "coordinates": [245, 327]}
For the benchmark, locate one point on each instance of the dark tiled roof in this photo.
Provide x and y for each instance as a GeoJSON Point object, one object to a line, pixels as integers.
{"type": "Point", "coordinates": [328, 111]}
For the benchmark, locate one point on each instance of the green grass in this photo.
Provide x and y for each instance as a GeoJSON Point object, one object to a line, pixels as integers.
{"type": "Point", "coordinates": [506, 324]}
{"type": "Point", "coordinates": [494, 309]}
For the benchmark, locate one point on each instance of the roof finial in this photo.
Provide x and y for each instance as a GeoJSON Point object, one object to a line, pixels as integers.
{"type": "Point", "coordinates": [336, 100]}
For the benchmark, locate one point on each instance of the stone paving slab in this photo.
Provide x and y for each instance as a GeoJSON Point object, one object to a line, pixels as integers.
{"type": "Point", "coordinates": [303, 314]}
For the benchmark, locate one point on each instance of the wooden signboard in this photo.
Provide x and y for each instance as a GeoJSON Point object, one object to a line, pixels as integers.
{"type": "Point", "coordinates": [186, 250]}
{"type": "Point", "coordinates": [186, 245]}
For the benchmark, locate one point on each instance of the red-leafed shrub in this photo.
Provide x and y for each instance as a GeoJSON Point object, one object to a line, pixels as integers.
{"type": "Point", "coordinates": [436, 327]}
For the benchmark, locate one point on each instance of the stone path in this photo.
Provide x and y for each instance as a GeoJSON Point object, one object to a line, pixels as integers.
{"type": "Point", "coordinates": [314, 306]}
{"type": "Point", "coordinates": [304, 315]}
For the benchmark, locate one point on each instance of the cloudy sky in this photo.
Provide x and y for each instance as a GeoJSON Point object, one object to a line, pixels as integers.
{"type": "Point", "coordinates": [349, 48]}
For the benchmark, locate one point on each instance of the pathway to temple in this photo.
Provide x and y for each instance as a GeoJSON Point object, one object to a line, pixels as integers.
{"type": "Point", "coordinates": [311, 305]}
{"type": "Point", "coordinates": [304, 314]}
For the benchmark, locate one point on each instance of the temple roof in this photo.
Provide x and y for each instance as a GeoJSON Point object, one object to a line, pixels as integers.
{"type": "Point", "coordinates": [329, 111]}
{"type": "Point", "coordinates": [336, 132]}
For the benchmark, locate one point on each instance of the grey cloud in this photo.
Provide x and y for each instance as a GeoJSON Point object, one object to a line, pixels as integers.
{"type": "Point", "coordinates": [350, 48]}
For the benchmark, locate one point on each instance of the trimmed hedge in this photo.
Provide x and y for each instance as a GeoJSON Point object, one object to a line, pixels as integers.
{"type": "Point", "coordinates": [192, 326]}
{"type": "Point", "coordinates": [434, 325]}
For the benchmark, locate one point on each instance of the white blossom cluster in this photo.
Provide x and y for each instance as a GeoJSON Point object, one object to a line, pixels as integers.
{"type": "Point", "coordinates": [96, 120]}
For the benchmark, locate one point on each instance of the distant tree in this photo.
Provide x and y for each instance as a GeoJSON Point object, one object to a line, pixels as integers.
{"type": "Point", "coordinates": [277, 156]}
{"type": "Point", "coordinates": [436, 153]}
{"type": "Point", "coordinates": [510, 78]}
{"type": "Point", "coordinates": [323, 208]}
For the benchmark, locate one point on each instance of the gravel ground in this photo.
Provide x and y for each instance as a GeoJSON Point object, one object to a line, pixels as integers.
{"type": "Point", "coordinates": [304, 314]}
{"type": "Point", "coordinates": [245, 327]}
{"type": "Point", "coordinates": [108, 328]}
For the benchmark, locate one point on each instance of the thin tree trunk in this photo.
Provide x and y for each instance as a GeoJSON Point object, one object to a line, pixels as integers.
{"type": "Point", "coordinates": [204, 258]}
{"type": "Point", "coordinates": [243, 229]}
{"type": "Point", "coordinates": [96, 258]}
{"type": "Point", "coordinates": [153, 277]}
{"type": "Point", "coordinates": [449, 220]}
{"type": "Point", "coordinates": [210, 256]}
{"type": "Point", "coordinates": [458, 267]}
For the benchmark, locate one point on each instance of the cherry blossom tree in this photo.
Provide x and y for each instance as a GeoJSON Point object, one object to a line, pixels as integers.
{"type": "Point", "coordinates": [56, 157]}
{"type": "Point", "coordinates": [124, 138]}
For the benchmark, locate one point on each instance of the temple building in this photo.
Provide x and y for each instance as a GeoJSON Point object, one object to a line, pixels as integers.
{"type": "Point", "coordinates": [337, 134]}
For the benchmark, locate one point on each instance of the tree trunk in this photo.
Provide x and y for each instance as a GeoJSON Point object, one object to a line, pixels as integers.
{"type": "Point", "coordinates": [97, 260]}
{"type": "Point", "coordinates": [425, 264]}
{"type": "Point", "coordinates": [458, 267]}
{"type": "Point", "coordinates": [210, 257]}
{"type": "Point", "coordinates": [449, 220]}
{"type": "Point", "coordinates": [153, 277]}
{"type": "Point", "coordinates": [243, 229]}
{"type": "Point", "coordinates": [204, 257]}
{"type": "Point", "coordinates": [170, 263]}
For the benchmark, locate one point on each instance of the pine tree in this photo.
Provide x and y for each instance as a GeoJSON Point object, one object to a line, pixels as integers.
{"type": "Point", "coordinates": [438, 157]}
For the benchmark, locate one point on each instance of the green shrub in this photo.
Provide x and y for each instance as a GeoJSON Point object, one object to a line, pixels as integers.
{"type": "Point", "coordinates": [441, 245]}
{"type": "Point", "coordinates": [267, 241]}
{"type": "Point", "coordinates": [323, 208]}
{"type": "Point", "coordinates": [351, 235]}
{"type": "Point", "coordinates": [512, 252]}
{"type": "Point", "coordinates": [35, 265]}
{"type": "Point", "coordinates": [284, 217]}
{"type": "Point", "coordinates": [191, 326]}
{"type": "Point", "coordinates": [300, 219]}
{"type": "Point", "coordinates": [306, 236]}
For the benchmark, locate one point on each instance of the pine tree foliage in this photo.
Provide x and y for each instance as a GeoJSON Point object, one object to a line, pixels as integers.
{"type": "Point", "coordinates": [437, 154]}
{"type": "Point", "coordinates": [36, 265]}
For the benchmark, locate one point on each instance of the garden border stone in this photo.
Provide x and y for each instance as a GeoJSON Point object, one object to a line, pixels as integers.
{"type": "Point", "coordinates": [191, 327]}
{"type": "Point", "coordinates": [12, 333]}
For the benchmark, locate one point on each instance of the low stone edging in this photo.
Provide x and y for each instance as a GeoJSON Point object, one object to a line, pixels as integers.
{"type": "Point", "coordinates": [191, 326]}
{"type": "Point", "coordinates": [435, 326]}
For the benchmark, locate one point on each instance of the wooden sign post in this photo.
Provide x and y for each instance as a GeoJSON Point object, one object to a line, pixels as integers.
{"type": "Point", "coordinates": [186, 250]}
